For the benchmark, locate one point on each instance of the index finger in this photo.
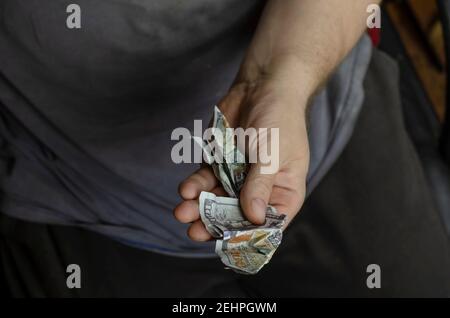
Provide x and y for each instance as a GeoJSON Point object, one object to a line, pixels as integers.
{"type": "Point", "coordinates": [201, 180]}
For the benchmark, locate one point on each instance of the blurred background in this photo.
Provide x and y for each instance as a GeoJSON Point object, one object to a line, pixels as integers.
{"type": "Point", "coordinates": [416, 34]}
{"type": "Point", "coordinates": [419, 25]}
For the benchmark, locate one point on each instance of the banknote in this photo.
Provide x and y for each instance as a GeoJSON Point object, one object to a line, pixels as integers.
{"type": "Point", "coordinates": [227, 161]}
{"type": "Point", "coordinates": [219, 169]}
{"type": "Point", "coordinates": [241, 245]}
{"type": "Point", "coordinates": [220, 214]}
{"type": "Point", "coordinates": [234, 164]}
{"type": "Point", "coordinates": [248, 251]}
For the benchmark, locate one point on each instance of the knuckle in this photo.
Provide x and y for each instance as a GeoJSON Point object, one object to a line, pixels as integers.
{"type": "Point", "coordinates": [261, 184]}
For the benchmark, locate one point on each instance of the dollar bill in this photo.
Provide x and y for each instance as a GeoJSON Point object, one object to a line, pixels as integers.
{"type": "Point", "coordinates": [241, 245]}
{"type": "Point", "coordinates": [248, 251]}
{"type": "Point", "coordinates": [220, 214]}
{"type": "Point", "coordinates": [219, 169]}
{"type": "Point", "coordinates": [227, 161]}
{"type": "Point", "coordinates": [234, 164]}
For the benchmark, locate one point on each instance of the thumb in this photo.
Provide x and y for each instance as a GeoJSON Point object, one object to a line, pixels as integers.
{"type": "Point", "coordinates": [255, 194]}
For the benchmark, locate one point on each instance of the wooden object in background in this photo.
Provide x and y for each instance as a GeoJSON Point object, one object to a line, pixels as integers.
{"type": "Point", "coordinates": [417, 23]}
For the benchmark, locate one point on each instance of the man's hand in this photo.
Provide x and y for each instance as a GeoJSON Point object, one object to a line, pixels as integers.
{"type": "Point", "coordinates": [296, 46]}
{"type": "Point", "coordinates": [268, 103]}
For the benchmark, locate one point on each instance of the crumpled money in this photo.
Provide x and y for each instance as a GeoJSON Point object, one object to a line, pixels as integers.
{"type": "Point", "coordinates": [241, 245]}
{"type": "Point", "coordinates": [226, 160]}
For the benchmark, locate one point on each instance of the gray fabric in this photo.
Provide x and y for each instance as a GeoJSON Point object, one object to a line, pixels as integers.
{"type": "Point", "coordinates": [334, 112]}
{"type": "Point", "coordinates": [86, 115]}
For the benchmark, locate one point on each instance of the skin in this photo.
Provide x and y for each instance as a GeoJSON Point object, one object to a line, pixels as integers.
{"type": "Point", "coordinates": [297, 45]}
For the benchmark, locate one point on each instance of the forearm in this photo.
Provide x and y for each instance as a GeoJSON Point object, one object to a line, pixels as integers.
{"type": "Point", "coordinates": [302, 41]}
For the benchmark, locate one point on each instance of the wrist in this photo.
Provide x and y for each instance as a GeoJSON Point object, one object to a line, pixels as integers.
{"type": "Point", "coordinates": [293, 79]}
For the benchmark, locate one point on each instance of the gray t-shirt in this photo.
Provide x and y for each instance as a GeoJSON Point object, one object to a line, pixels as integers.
{"type": "Point", "coordinates": [87, 114]}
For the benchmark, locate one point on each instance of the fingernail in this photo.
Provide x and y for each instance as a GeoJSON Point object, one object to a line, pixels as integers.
{"type": "Point", "coordinates": [259, 208]}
